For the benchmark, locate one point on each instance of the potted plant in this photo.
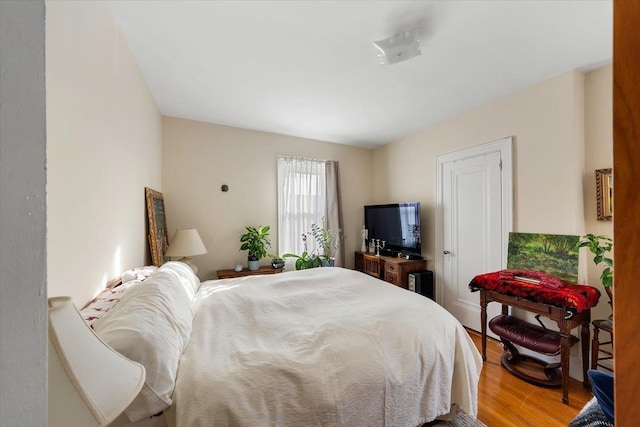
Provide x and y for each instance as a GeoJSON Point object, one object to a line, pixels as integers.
{"type": "Point", "coordinates": [276, 261]}
{"type": "Point", "coordinates": [600, 246]}
{"type": "Point", "coordinates": [306, 260]}
{"type": "Point", "coordinates": [327, 241]}
{"type": "Point", "coordinates": [255, 240]}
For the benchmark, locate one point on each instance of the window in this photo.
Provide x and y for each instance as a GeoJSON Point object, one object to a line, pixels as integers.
{"type": "Point", "coordinates": [302, 198]}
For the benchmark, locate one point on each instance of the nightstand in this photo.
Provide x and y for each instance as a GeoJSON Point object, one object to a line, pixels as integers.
{"type": "Point", "coordinates": [226, 274]}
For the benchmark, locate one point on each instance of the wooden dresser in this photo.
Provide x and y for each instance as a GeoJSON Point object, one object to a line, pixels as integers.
{"type": "Point", "coordinates": [393, 270]}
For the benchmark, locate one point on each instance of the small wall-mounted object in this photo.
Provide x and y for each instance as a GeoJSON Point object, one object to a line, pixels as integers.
{"type": "Point", "coordinates": [604, 194]}
{"type": "Point", "coordinates": [224, 188]}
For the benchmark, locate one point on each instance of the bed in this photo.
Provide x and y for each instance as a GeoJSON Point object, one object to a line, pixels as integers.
{"type": "Point", "coordinates": [325, 346]}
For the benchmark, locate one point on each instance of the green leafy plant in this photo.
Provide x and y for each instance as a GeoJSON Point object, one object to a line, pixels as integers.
{"type": "Point", "coordinates": [328, 240]}
{"type": "Point", "coordinates": [256, 240]}
{"type": "Point", "coordinates": [306, 260]}
{"type": "Point", "coordinates": [600, 246]}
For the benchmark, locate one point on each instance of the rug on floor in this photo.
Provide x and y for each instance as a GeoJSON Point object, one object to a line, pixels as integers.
{"type": "Point", "coordinates": [460, 420]}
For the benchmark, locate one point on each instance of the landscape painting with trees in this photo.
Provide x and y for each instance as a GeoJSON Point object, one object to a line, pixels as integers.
{"type": "Point", "coordinates": [555, 254]}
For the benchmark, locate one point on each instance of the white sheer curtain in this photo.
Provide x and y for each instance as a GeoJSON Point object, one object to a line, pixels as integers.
{"type": "Point", "coordinates": [301, 202]}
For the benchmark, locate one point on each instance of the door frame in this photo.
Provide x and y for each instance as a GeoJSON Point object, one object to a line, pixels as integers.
{"type": "Point", "coordinates": [504, 147]}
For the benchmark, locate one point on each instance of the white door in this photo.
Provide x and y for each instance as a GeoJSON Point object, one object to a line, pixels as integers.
{"type": "Point", "coordinates": [473, 220]}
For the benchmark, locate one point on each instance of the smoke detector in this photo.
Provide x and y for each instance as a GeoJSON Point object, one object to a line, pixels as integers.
{"type": "Point", "coordinates": [399, 47]}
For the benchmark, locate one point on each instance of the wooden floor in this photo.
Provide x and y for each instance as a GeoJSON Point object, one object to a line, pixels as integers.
{"type": "Point", "coordinates": [504, 400]}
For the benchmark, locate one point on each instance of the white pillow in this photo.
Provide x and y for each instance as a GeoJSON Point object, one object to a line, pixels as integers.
{"type": "Point", "coordinates": [105, 301]}
{"type": "Point", "coordinates": [138, 273]}
{"type": "Point", "coordinates": [151, 325]}
{"type": "Point", "coordinates": [184, 274]}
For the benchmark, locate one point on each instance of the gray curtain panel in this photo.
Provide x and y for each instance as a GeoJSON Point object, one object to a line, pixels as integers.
{"type": "Point", "coordinates": [333, 208]}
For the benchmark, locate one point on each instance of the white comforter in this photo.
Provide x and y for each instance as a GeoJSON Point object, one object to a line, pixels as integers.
{"type": "Point", "coordinates": [321, 347]}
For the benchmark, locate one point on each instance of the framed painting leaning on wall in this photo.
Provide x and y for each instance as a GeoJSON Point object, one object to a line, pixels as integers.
{"type": "Point", "coordinates": [158, 235]}
{"type": "Point", "coordinates": [555, 254]}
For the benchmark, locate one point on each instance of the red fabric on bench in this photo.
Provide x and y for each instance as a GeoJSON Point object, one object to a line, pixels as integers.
{"type": "Point", "coordinates": [570, 297]}
{"type": "Point", "coordinates": [544, 279]}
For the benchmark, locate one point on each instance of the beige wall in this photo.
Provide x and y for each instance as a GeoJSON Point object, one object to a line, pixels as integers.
{"type": "Point", "coordinates": [562, 131]}
{"type": "Point", "coordinates": [547, 157]}
{"type": "Point", "coordinates": [103, 148]}
{"type": "Point", "coordinates": [599, 155]}
{"type": "Point", "coordinates": [198, 158]}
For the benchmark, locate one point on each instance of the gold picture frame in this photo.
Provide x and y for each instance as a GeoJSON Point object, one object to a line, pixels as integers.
{"type": "Point", "coordinates": [158, 235]}
{"type": "Point", "coordinates": [604, 194]}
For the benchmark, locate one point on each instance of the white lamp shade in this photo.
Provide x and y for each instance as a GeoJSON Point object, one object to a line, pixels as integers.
{"type": "Point", "coordinates": [89, 383]}
{"type": "Point", "coordinates": [186, 242]}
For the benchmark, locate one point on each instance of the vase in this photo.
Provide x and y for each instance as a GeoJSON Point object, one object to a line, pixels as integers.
{"type": "Point", "coordinates": [254, 265]}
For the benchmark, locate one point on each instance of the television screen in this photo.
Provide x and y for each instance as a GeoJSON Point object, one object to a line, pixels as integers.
{"type": "Point", "coordinates": [397, 224]}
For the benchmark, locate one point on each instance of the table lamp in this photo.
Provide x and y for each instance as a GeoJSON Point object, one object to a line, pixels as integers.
{"type": "Point", "coordinates": [186, 242]}
{"type": "Point", "coordinates": [89, 383]}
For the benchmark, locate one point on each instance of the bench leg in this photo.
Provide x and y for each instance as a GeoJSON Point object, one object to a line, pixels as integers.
{"type": "Point", "coordinates": [564, 366]}
{"type": "Point", "coordinates": [483, 323]}
{"type": "Point", "coordinates": [584, 337]}
{"type": "Point", "coordinates": [595, 347]}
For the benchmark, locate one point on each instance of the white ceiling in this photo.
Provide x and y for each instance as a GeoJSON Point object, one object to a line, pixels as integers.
{"type": "Point", "coordinates": [309, 68]}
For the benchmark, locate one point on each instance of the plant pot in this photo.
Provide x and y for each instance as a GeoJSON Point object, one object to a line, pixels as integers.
{"type": "Point", "coordinates": [277, 263]}
{"type": "Point", "coordinates": [609, 291]}
{"type": "Point", "coordinates": [328, 262]}
{"type": "Point", "coordinates": [254, 265]}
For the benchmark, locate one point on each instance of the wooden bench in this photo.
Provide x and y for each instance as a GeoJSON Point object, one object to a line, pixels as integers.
{"type": "Point", "coordinates": [569, 307]}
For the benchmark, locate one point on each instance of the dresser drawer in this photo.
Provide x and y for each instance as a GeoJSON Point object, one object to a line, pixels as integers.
{"type": "Point", "coordinates": [391, 267]}
{"type": "Point", "coordinates": [393, 278]}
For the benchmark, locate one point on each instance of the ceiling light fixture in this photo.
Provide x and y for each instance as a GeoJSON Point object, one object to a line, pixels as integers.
{"type": "Point", "coordinates": [399, 48]}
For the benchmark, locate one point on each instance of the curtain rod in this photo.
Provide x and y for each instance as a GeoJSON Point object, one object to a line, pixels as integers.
{"type": "Point", "coordinates": [303, 158]}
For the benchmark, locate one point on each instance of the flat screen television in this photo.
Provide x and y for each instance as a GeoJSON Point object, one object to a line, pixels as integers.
{"type": "Point", "coordinates": [398, 224]}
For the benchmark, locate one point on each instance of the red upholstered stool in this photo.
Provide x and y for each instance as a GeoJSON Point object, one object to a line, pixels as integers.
{"type": "Point", "coordinates": [512, 330]}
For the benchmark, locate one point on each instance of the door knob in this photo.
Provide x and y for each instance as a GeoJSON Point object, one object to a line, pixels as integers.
{"type": "Point", "coordinates": [446, 252]}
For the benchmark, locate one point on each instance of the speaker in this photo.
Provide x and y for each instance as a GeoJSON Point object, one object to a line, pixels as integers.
{"type": "Point", "coordinates": [421, 282]}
